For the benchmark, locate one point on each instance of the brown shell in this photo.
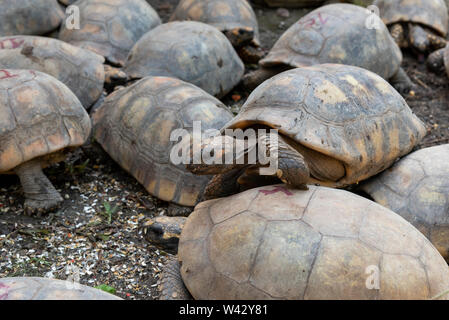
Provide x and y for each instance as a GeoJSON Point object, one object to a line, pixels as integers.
{"type": "Point", "coordinates": [80, 70]}
{"type": "Point", "coordinates": [35, 17]}
{"type": "Point", "coordinates": [34, 288]}
{"type": "Point", "coordinates": [222, 14]}
{"type": "Point", "coordinates": [276, 243]}
{"type": "Point", "coordinates": [38, 116]}
{"type": "Point", "coordinates": [431, 13]}
{"type": "Point", "coordinates": [417, 188]}
{"type": "Point", "coordinates": [111, 28]}
{"type": "Point", "coordinates": [134, 126]}
{"type": "Point", "coordinates": [337, 33]}
{"type": "Point", "coordinates": [347, 113]}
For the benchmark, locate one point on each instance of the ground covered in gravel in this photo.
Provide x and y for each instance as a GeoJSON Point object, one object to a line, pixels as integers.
{"type": "Point", "coordinates": [94, 237]}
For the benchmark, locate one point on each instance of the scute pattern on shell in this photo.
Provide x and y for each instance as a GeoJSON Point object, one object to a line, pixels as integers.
{"type": "Point", "coordinates": [432, 13]}
{"type": "Point", "coordinates": [344, 112]}
{"type": "Point", "coordinates": [337, 33]}
{"type": "Point", "coordinates": [417, 188]}
{"type": "Point", "coordinates": [81, 70]}
{"type": "Point", "coordinates": [134, 126]}
{"type": "Point", "coordinates": [278, 243]}
{"type": "Point", "coordinates": [35, 17]}
{"type": "Point", "coordinates": [38, 116]}
{"type": "Point", "coordinates": [34, 288]}
{"type": "Point", "coordinates": [111, 28]}
{"type": "Point", "coordinates": [222, 14]}
{"type": "Point", "coordinates": [191, 51]}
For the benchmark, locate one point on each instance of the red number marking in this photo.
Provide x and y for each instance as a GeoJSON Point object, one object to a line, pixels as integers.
{"type": "Point", "coordinates": [276, 190]}
{"type": "Point", "coordinates": [13, 41]}
{"type": "Point", "coordinates": [4, 295]}
{"type": "Point", "coordinates": [312, 21]}
{"type": "Point", "coordinates": [7, 75]}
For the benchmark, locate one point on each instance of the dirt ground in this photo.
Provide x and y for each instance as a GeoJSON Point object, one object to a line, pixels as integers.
{"type": "Point", "coordinates": [94, 236]}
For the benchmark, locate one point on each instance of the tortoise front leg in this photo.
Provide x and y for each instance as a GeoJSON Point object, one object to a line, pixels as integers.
{"type": "Point", "coordinates": [255, 78]}
{"type": "Point", "coordinates": [172, 287]}
{"type": "Point", "coordinates": [401, 82]}
{"type": "Point", "coordinates": [435, 61]}
{"type": "Point", "coordinates": [41, 196]}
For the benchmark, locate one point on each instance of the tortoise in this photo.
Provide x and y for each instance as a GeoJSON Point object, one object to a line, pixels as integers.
{"type": "Point", "coordinates": [191, 51]}
{"type": "Point", "coordinates": [36, 288]}
{"type": "Point", "coordinates": [291, 3]}
{"type": "Point", "coordinates": [29, 17]}
{"type": "Point", "coordinates": [67, 2]}
{"type": "Point", "coordinates": [135, 124]}
{"type": "Point", "coordinates": [277, 243]}
{"type": "Point", "coordinates": [40, 121]}
{"type": "Point", "coordinates": [110, 28]}
{"type": "Point", "coordinates": [417, 188]}
{"type": "Point", "coordinates": [438, 61]}
{"type": "Point", "coordinates": [335, 33]}
{"type": "Point", "coordinates": [336, 125]}
{"type": "Point", "coordinates": [79, 69]}
{"type": "Point", "coordinates": [235, 18]}
{"type": "Point", "coordinates": [418, 24]}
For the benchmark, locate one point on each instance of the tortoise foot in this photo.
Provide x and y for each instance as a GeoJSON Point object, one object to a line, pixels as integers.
{"type": "Point", "coordinates": [40, 207]}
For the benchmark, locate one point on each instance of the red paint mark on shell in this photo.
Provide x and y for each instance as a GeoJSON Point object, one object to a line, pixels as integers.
{"type": "Point", "coordinates": [13, 43]}
{"type": "Point", "coordinates": [276, 190]}
{"type": "Point", "coordinates": [7, 75]}
{"type": "Point", "coordinates": [4, 292]}
{"type": "Point", "coordinates": [312, 21]}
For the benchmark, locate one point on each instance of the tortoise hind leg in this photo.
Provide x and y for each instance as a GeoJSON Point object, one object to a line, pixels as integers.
{"type": "Point", "coordinates": [172, 287]}
{"type": "Point", "coordinates": [401, 82]}
{"type": "Point", "coordinates": [41, 196]}
{"type": "Point", "coordinates": [175, 210]}
{"type": "Point", "coordinates": [435, 61]}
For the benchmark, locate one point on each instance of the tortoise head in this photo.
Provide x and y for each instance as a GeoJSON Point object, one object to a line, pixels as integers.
{"type": "Point", "coordinates": [241, 36]}
{"type": "Point", "coordinates": [164, 232]}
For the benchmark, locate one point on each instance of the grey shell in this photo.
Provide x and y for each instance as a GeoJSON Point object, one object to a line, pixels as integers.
{"type": "Point", "coordinates": [345, 112]}
{"type": "Point", "coordinates": [431, 13]}
{"type": "Point", "coordinates": [337, 33]}
{"type": "Point", "coordinates": [81, 70]}
{"type": "Point", "coordinates": [222, 14]}
{"type": "Point", "coordinates": [34, 288]}
{"type": "Point", "coordinates": [35, 17]}
{"type": "Point", "coordinates": [191, 51]}
{"type": "Point", "coordinates": [417, 188]}
{"type": "Point", "coordinates": [134, 126]}
{"type": "Point", "coordinates": [111, 28]}
{"type": "Point", "coordinates": [39, 116]}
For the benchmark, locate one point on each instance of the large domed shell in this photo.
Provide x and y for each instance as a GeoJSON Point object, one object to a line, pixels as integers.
{"type": "Point", "coordinates": [278, 243]}
{"type": "Point", "coordinates": [344, 112]}
{"type": "Point", "coordinates": [134, 126]}
{"type": "Point", "coordinates": [111, 28]}
{"type": "Point", "coordinates": [431, 13]}
{"type": "Point", "coordinates": [34, 17]}
{"type": "Point", "coordinates": [222, 14]}
{"type": "Point", "coordinates": [81, 70]}
{"type": "Point", "coordinates": [39, 116]}
{"type": "Point", "coordinates": [191, 51]}
{"type": "Point", "coordinates": [34, 288]}
{"type": "Point", "coordinates": [417, 188]}
{"type": "Point", "coordinates": [337, 33]}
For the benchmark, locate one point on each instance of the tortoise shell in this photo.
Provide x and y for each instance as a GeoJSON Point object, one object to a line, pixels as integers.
{"type": "Point", "coordinates": [291, 3]}
{"type": "Point", "coordinates": [343, 112]}
{"type": "Point", "coordinates": [35, 17]}
{"type": "Point", "coordinates": [110, 28]}
{"type": "Point", "coordinates": [191, 51]}
{"type": "Point", "coordinates": [80, 70]}
{"type": "Point", "coordinates": [134, 126]}
{"type": "Point", "coordinates": [337, 33]}
{"type": "Point", "coordinates": [277, 243]}
{"type": "Point", "coordinates": [39, 116]}
{"type": "Point", "coordinates": [34, 288]}
{"type": "Point", "coordinates": [222, 14]}
{"type": "Point", "coordinates": [417, 188]}
{"type": "Point", "coordinates": [431, 13]}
